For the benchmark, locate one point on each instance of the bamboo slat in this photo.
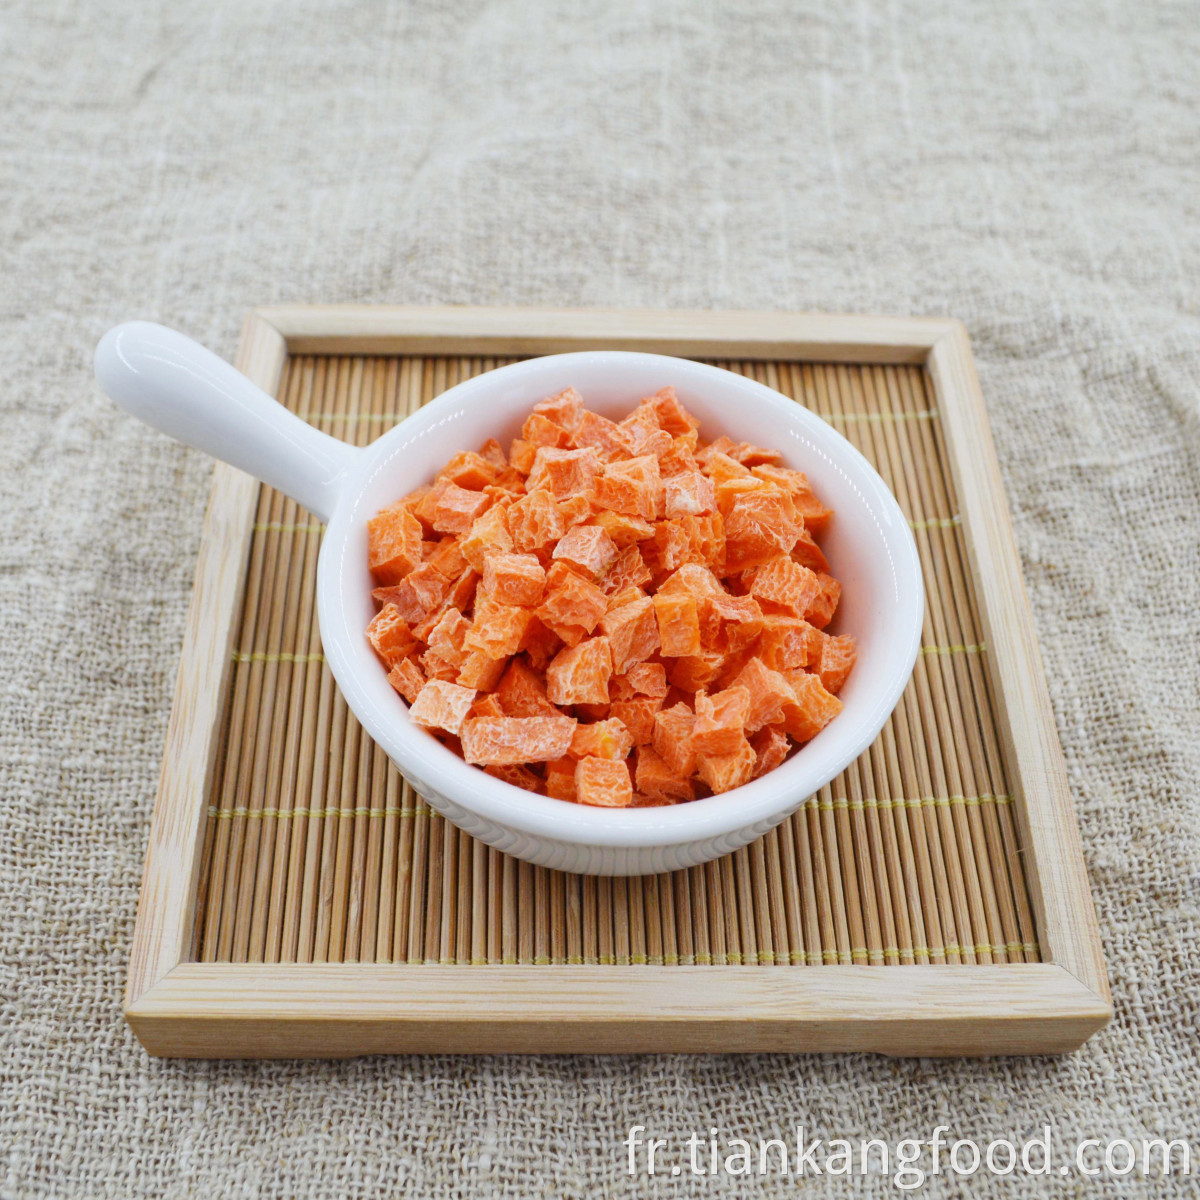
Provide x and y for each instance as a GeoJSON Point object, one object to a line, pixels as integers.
{"type": "Point", "coordinates": [318, 851]}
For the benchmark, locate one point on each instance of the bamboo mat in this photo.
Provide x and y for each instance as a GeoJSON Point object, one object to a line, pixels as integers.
{"type": "Point", "coordinates": [316, 850]}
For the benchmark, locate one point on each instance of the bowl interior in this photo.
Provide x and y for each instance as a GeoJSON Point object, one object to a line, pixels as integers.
{"type": "Point", "coordinates": [869, 547]}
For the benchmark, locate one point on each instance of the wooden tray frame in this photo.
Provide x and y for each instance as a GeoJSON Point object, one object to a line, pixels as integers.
{"type": "Point", "coordinates": [179, 1007]}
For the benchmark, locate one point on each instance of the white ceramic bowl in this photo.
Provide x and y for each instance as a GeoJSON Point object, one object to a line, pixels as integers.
{"type": "Point", "coordinates": [181, 388]}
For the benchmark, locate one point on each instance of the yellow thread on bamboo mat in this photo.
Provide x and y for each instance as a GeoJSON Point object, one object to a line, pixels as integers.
{"type": "Point", "coordinates": [978, 648]}
{"type": "Point", "coordinates": [936, 523]}
{"type": "Point", "coordinates": [953, 948]}
{"type": "Point", "coordinates": [287, 527]}
{"type": "Point", "coordinates": [286, 656]}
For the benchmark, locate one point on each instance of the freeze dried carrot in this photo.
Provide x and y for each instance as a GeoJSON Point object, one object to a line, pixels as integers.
{"type": "Point", "coordinates": [603, 782]}
{"type": "Point", "coordinates": [508, 741]}
{"type": "Point", "coordinates": [614, 612]}
{"type": "Point", "coordinates": [442, 705]}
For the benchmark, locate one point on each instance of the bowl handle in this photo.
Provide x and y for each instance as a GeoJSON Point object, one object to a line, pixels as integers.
{"type": "Point", "coordinates": [178, 386]}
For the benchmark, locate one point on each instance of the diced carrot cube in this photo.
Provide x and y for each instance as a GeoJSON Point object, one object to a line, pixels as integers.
{"type": "Point", "coordinates": [721, 720]}
{"type": "Point", "coordinates": [407, 679]}
{"type": "Point", "coordinates": [602, 435]}
{"type": "Point", "coordinates": [564, 473]}
{"type": "Point", "coordinates": [814, 707]}
{"type": "Point", "coordinates": [486, 705]}
{"type": "Point", "coordinates": [625, 596]}
{"type": "Point", "coordinates": [815, 515]}
{"type": "Point", "coordinates": [622, 528]}
{"type": "Point", "coordinates": [469, 470]}
{"type": "Point", "coordinates": [535, 522]}
{"type": "Point", "coordinates": [719, 445]}
{"type": "Point", "coordinates": [603, 782]}
{"type": "Point", "coordinates": [688, 494]}
{"type": "Point", "coordinates": [694, 579]}
{"type": "Point", "coordinates": [655, 780]}
{"type": "Point", "coordinates": [836, 661]}
{"type": "Point", "coordinates": [390, 635]}
{"type": "Point", "coordinates": [724, 772]}
{"type": "Point", "coordinates": [760, 526]}
{"type": "Point", "coordinates": [673, 742]}
{"type": "Point", "coordinates": [540, 644]}
{"type": "Point", "coordinates": [573, 511]}
{"type": "Point", "coordinates": [522, 692]}
{"type": "Point", "coordinates": [498, 629]}
{"type": "Point", "coordinates": [695, 671]}
{"type": "Point", "coordinates": [641, 433]}
{"type": "Point", "coordinates": [786, 584]}
{"type": "Point", "coordinates": [514, 579]}
{"type": "Point", "coordinates": [580, 674]}
{"type": "Point", "coordinates": [488, 535]}
{"type": "Point", "coordinates": [442, 705]}
{"type": "Point", "coordinates": [437, 666]}
{"type": "Point", "coordinates": [587, 546]}
{"type": "Point", "coordinates": [481, 671]}
{"type": "Point", "coordinates": [632, 631]}
{"type": "Point", "coordinates": [706, 538]}
{"type": "Point", "coordinates": [633, 487]}
{"type": "Point", "coordinates": [672, 416]}
{"type": "Point", "coordinates": [730, 622]}
{"type": "Point", "coordinates": [679, 459]}
{"type": "Point", "coordinates": [753, 456]}
{"type": "Point", "coordinates": [628, 570]}
{"type": "Point", "coordinates": [669, 549]}
{"type": "Point", "coordinates": [825, 603]}
{"type": "Point", "coordinates": [560, 780]}
{"type": "Point", "coordinates": [452, 509]}
{"type": "Point", "coordinates": [769, 691]}
{"type": "Point", "coordinates": [393, 544]}
{"type": "Point", "coordinates": [601, 739]}
{"type": "Point", "coordinates": [504, 741]}
{"type": "Point", "coordinates": [540, 431]}
{"type": "Point", "coordinates": [771, 747]}
{"type": "Point", "coordinates": [572, 604]}
{"type": "Point", "coordinates": [492, 452]}
{"type": "Point", "coordinates": [447, 559]}
{"type": "Point", "coordinates": [637, 715]}
{"type": "Point", "coordinates": [517, 775]}
{"type": "Point", "coordinates": [720, 468]}
{"type": "Point", "coordinates": [808, 554]}
{"type": "Point", "coordinates": [785, 642]}
{"type": "Point", "coordinates": [521, 455]}
{"type": "Point", "coordinates": [647, 679]}
{"type": "Point", "coordinates": [448, 636]}
{"type": "Point", "coordinates": [678, 624]}
{"type": "Point", "coordinates": [565, 409]}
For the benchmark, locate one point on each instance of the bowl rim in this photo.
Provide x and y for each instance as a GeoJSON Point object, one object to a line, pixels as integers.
{"type": "Point", "coordinates": [421, 756]}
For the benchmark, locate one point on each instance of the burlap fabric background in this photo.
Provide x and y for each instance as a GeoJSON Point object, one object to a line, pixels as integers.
{"type": "Point", "coordinates": [1032, 168]}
